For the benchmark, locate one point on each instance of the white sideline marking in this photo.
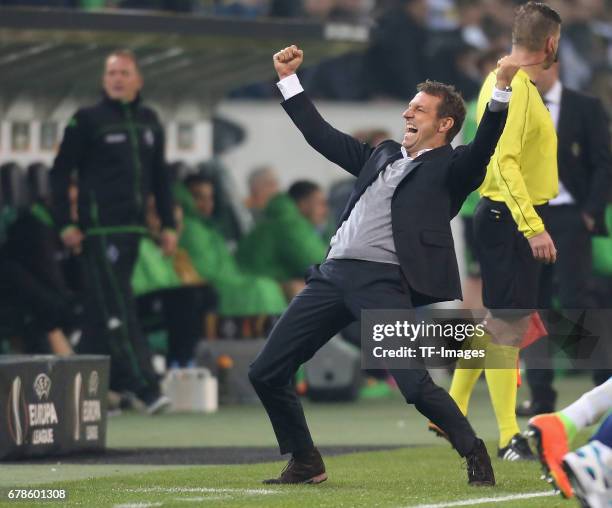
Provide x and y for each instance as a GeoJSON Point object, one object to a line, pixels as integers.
{"type": "Point", "coordinates": [137, 505]}
{"type": "Point", "coordinates": [485, 500]}
{"type": "Point", "coordinates": [191, 490]}
{"type": "Point", "coordinates": [174, 490]}
{"type": "Point", "coordinates": [200, 499]}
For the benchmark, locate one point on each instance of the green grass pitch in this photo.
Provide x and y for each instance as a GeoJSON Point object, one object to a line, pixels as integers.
{"type": "Point", "coordinates": [426, 473]}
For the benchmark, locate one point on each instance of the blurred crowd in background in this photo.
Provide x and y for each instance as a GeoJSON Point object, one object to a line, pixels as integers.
{"type": "Point", "coordinates": [240, 262]}
{"type": "Point", "coordinates": [411, 40]}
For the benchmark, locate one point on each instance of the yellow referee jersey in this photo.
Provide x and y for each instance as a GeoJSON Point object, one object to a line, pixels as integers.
{"type": "Point", "coordinates": [523, 170]}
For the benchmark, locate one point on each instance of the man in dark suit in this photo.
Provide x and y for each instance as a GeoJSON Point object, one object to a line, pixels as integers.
{"type": "Point", "coordinates": [393, 250]}
{"type": "Point", "coordinates": [573, 217]}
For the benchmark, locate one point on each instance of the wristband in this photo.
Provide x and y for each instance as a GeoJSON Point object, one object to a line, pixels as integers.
{"type": "Point", "coordinates": [502, 95]}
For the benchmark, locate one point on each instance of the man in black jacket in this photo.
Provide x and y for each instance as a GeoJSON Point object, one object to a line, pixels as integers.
{"type": "Point", "coordinates": [393, 249]}
{"type": "Point", "coordinates": [573, 217]}
{"type": "Point", "coordinates": [116, 148]}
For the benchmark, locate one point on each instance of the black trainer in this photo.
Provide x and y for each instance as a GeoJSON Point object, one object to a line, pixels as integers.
{"type": "Point", "coordinates": [308, 469]}
{"type": "Point", "coordinates": [518, 449]}
{"type": "Point", "coordinates": [479, 468]}
{"type": "Point", "coordinates": [530, 408]}
{"type": "Point", "coordinates": [151, 402]}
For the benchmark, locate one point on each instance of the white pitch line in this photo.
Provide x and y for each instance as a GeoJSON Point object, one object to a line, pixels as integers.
{"type": "Point", "coordinates": [201, 499]}
{"type": "Point", "coordinates": [485, 500]}
{"type": "Point", "coordinates": [174, 490]}
{"type": "Point", "coordinates": [137, 505]}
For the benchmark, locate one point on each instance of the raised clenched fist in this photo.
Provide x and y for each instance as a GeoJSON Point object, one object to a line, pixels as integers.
{"type": "Point", "coordinates": [287, 61]}
{"type": "Point", "coordinates": [507, 67]}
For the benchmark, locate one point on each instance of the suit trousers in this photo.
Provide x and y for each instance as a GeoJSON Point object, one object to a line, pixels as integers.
{"type": "Point", "coordinates": [335, 294]}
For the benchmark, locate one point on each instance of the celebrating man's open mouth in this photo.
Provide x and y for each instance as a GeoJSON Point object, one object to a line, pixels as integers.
{"type": "Point", "coordinates": [411, 131]}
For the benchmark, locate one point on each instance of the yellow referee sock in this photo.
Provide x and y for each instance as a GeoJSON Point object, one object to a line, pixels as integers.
{"type": "Point", "coordinates": [503, 388]}
{"type": "Point", "coordinates": [466, 374]}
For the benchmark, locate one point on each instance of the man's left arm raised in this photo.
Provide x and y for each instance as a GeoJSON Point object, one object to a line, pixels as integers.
{"type": "Point", "coordinates": [338, 147]}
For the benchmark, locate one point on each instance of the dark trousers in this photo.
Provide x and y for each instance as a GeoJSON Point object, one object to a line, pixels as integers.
{"type": "Point", "coordinates": [110, 318]}
{"type": "Point", "coordinates": [569, 279]}
{"type": "Point", "coordinates": [509, 271]}
{"type": "Point", "coordinates": [180, 312]}
{"type": "Point", "coordinates": [33, 285]}
{"type": "Point", "coordinates": [32, 306]}
{"type": "Point", "coordinates": [334, 296]}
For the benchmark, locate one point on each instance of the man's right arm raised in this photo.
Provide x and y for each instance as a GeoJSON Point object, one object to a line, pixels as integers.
{"type": "Point", "coordinates": [336, 146]}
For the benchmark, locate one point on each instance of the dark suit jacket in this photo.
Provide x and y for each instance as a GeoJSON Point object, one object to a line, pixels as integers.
{"type": "Point", "coordinates": [585, 163]}
{"type": "Point", "coordinates": [424, 202]}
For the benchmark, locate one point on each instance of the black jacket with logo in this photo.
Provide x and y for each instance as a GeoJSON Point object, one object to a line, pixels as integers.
{"type": "Point", "coordinates": [117, 151]}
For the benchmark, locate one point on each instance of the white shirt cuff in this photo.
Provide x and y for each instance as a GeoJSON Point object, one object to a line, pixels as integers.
{"type": "Point", "coordinates": [290, 86]}
{"type": "Point", "coordinates": [501, 95]}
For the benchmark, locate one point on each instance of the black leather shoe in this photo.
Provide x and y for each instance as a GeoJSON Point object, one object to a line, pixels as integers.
{"type": "Point", "coordinates": [308, 469]}
{"type": "Point", "coordinates": [531, 408]}
{"type": "Point", "coordinates": [479, 468]}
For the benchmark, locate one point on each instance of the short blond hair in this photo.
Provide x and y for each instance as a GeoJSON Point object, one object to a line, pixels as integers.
{"type": "Point", "coordinates": [533, 23]}
{"type": "Point", "coordinates": [127, 54]}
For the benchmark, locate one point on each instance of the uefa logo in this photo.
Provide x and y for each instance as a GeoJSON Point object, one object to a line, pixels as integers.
{"type": "Point", "coordinates": [42, 386]}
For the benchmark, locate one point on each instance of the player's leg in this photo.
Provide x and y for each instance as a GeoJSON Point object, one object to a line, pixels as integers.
{"type": "Point", "coordinates": [604, 433]}
{"type": "Point", "coordinates": [553, 433]}
{"type": "Point", "coordinates": [587, 410]}
{"type": "Point", "coordinates": [589, 468]}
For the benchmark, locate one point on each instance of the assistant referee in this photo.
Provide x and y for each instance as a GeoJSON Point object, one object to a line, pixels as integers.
{"type": "Point", "coordinates": [510, 235]}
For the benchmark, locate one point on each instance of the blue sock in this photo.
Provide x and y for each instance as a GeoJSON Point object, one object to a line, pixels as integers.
{"type": "Point", "coordinates": [604, 433]}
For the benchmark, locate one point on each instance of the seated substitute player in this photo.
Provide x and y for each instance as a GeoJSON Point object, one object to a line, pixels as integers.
{"type": "Point", "coordinates": [589, 469]}
{"type": "Point", "coordinates": [393, 250]}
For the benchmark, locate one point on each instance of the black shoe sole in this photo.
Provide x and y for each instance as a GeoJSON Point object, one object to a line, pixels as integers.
{"type": "Point", "coordinates": [487, 483]}
{"type": "Point", "coordinates": [315, 480]}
